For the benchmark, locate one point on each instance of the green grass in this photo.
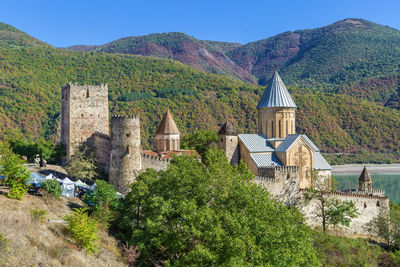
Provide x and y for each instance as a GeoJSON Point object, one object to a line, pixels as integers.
{"type": "Point", "coordinates": [389, 182]}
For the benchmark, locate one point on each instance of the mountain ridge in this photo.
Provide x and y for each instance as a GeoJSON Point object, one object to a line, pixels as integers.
{"type": "Point", "coordinates": [333, 58]}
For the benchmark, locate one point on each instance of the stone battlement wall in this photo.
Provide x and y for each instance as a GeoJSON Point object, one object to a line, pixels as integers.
{"type": "Point", "coordinates": [368, 207]}
{"type": "Point", "coordinates": [156, 163]}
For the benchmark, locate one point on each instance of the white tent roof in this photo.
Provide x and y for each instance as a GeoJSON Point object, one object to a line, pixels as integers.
{"type": "Point", "coordinates": [67, 181]}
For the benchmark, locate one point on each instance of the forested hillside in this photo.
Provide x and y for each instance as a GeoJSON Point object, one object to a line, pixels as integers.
{"type": "Point", "coordinates": [32, 73]}
{"type": "Point", "coordinates": [203, 55]}
{"type": "Point", "coordinates": [352, 56]}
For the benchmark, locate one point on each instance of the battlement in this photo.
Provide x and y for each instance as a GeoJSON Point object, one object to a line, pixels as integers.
{"type": "Point", "coordinates": [365, 192]}
{"type": "Point", "coordinates": [124, 117]}
{"type": "Point", "coordinates": [355, 195]}
{"type": "Point", "coordinates": [155, 158]}
{"type": "Point", "coordinates": [264, 179]}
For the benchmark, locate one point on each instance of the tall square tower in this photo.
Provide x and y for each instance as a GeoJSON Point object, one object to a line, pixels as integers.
{"type": "Point", "coordinates": [84, 111]}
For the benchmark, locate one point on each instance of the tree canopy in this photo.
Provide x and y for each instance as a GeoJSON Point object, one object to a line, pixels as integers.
{"type": "Point", "coordinates": [211, 215]}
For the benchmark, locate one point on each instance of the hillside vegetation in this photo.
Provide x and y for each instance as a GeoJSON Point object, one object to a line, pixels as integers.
{"type": "Point", "coordinates": [31, 77]}
{"type": "Point", "coordinates": [352, 56]}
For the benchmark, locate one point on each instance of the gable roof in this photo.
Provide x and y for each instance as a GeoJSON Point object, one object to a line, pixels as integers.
{"type": "Point", "coordinates": [276, 95]}
{"type": "Point", "coordinates": [320, 163]}
{"type": "Point", "coordinates": [265, 160]}
{"type": "Point", "coordinates": [167, 125]}
{"type": "Point", "coordinates": [291, 138]}
{"type": "Point", "coordinates": [256, 143]}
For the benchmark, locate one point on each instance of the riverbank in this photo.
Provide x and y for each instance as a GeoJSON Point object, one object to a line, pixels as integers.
{"type": "Point", "coordinates": [355, 169]}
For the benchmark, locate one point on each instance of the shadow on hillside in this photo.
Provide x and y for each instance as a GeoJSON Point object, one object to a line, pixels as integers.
{"type": "Point", "coordinates": [55, 173]}
{"type": "Point", "coordinates": [73, 205]}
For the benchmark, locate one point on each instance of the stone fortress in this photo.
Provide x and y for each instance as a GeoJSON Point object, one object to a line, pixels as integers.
{"type": "Point", "coordinates": [285, 162]}
{"type": "Point", "coordinates": [85, 121]}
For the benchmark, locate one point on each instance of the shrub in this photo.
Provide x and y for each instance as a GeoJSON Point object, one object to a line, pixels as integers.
{"type": "Point", "coordinates": [15, 174]}
{"type": "Point", "coordinates": [103, 201]}
{"type": "Point", "coordinates": [83, 229]}
{"type": "Point", "coordinates": [53, 188]}
{"type": "Point", "coordinates": [38, 214]}
{"type": "Point", "coordinates": [4, 243]}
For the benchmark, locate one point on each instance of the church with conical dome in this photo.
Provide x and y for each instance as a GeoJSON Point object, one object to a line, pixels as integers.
{"type": "Point", "coordinates": [276, 151]}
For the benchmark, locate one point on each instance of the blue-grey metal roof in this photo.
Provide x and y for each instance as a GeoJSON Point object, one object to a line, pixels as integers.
{"type": "Point", "coordinates": [287, 143]}
{"type": "Point", "coordinates": [320, 163]}
{"type": "Point", "coordinates": [256, 143]}
{"type": "Point", "coordinates": [265, 160]}
{"type": "Point", "coordinates": [276, 95]}
{"type": "Point", "coordinates": [310, 143]}
{"type": "Point", "coordinates": [291, 138]}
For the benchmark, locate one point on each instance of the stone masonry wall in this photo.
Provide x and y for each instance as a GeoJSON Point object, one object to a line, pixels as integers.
{"type": "Point", "coordinates": [281, 182]}
{"type": "Point", "coordinates": [368, 208]}
{"type": "Point", "coordinates": [102, 146]}
{"type": "Point", "coordinates": [125, 158]}
{"type": "Point", "coordinates": [84, 111]}
{"type": "Point", "coordinates": [156, 163]}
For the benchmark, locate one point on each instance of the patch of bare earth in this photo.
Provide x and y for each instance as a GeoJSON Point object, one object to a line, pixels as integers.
{"type": "Point", "coordinates": [35, 243]}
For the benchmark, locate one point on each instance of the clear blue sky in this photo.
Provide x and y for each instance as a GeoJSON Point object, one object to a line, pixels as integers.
{"type": "Point", "coordinates": [69, 22]}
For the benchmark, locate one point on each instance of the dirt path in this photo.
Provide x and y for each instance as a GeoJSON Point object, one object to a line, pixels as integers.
{"type": "Point", "coordinates": [355, 169]}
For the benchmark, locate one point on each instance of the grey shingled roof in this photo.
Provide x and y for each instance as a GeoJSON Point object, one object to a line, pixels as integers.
{"type": "Point", "coordinates": [265, 160]}
{"type": "Point", "coordinates": [320, 163]}
{"type": "Point", "coordinates": [276, 95]}
{"type": "Point", "coordinates": [291, 138]}
{"type": "Point", "coordinates": [287, 143]}
{"type": "Point", "coordinates": [256, 142]}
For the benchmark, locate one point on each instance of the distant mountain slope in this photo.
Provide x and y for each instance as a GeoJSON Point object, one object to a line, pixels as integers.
{"type": "Point", "coordinates": [31, 80]}
{"type": "Point", "coordinates": [203, 55]}
{"type": "Point", "coordinates": [337, 57]}
{"type": "Point", "coordinates": [12, 37]}
{"type": "Point", "coordinates": [351, 56]}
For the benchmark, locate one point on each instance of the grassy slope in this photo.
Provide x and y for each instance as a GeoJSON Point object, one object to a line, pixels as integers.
{"type": "Point", "coordinates": [33, 243]}
{"type": "Point", "coordinates": [31, 78]}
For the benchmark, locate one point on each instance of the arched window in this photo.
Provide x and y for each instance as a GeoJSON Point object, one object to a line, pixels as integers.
{"type": "Point", "coordinates": [287, 128]}
{"type": "Point", "coordinates": [273, 130]}
{"type": "Point", "coordinates": [280, 129]}
{"type": "Point", "coordinates": [87, 93]}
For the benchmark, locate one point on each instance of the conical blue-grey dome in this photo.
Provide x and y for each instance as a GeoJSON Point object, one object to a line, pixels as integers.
{"type": "Point", "coordinates": [276, 95]}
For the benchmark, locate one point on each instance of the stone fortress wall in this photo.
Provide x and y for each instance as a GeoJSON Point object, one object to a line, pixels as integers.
{"type": "Point", "coordinates": [153, 162]}
{"type": "Point", "coordinates": [368, 207]}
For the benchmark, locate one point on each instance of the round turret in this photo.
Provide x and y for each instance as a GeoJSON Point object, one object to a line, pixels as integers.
{"type": "Point", "coordinates": [125, 158]}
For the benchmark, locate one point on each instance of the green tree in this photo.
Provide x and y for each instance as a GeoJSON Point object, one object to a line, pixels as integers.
{"type": "Point", "coordinates": [53, 187]}
{"type": "Point", "coordinates": [82, 165]}
{"type": "Point", "coordinates": [103, 202]}
{"type": "Point", "coordinates": [200, 141]}
{"type": "Point", "coordinates": [16, 174]}
{"type": "Point", "coordinates": [211, 215]}
{"type": "Point", "coordinates": [387, 226]}
{"type": "Point", "coordinates": [330, 210]}
{"type": "Point", "coordinates": [83, 229]}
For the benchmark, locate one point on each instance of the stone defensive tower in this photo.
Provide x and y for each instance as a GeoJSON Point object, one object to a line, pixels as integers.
{"type": "Point", "coordinates": [167, 135]}
{"type": "Point", "coordinates": [276, 111]}
{"type": "Point", "coordinates": [228, 141]}
{"type": "Point", "coordinates": [125, 158]}
{"type": "Point", "coordinates": [84, 111]}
